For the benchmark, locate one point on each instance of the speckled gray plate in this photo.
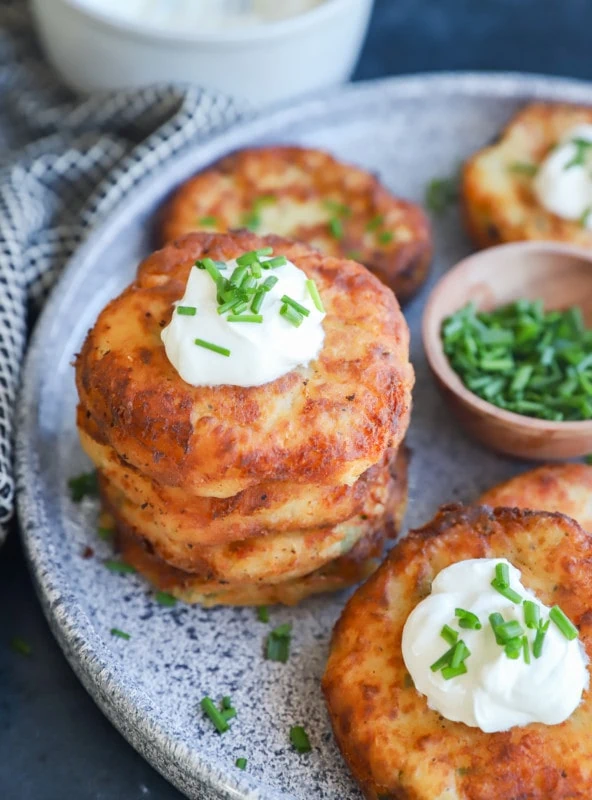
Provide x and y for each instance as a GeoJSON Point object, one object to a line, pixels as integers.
{"type": "Point", "coordinates": [409, 130]}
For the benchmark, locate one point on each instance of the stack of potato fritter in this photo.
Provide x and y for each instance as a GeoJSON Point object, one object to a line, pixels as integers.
{"type": "Point", "coordinates": [231, 495]}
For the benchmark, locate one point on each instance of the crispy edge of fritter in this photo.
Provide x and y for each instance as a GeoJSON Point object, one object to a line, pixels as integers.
{"type": "Point", "coordinates": [565, 488]}
{"type": "Point", "coordinates": [402, 263]}
{"type": "Point", "coordinates": [159, 431]}
{"type": "Point", "coordinates": [499, 205]}
{"type": "Point", "coordinates": [395, 745]}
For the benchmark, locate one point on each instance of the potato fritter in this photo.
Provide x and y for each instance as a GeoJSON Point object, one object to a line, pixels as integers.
{"type": "Point", "coordinates": [566, 488]}
{"type": "Point", "coordinates": [497, 183]}
{"type": "Point", "coordinates": [399, 748]}
{"type": "Point", "coordinates": [326, 423]}
{"type": "Point", "coordinates": [273, 506]}
{"type": "Point", "coordinates": [351, 568]}
{"type": "Point", "coordinates": [270, 558]}
{"type": "Point", "coordinates": [309, 196]}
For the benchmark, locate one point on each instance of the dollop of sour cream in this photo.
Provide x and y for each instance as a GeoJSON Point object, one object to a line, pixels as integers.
{"type": "Point", "coordinates": [563, 183]}
{"type": "Point", "coordinates": [258, 352]}
{"type": "Point", "coordinates": [496, 692]}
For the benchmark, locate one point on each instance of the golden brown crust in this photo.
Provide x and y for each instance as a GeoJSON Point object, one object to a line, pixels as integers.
{"type": "Point", "coordinates": [566, 488]}
{"type": "Point", "coordinates": [301, 181]}
{"type": "Point", "coordinates": [498, 200]}
{"type": "Point", "coordinates": [345, 409]}
{"type": "Point", "coordinates": [395, 745]}
{"type": "Point", "coordinates": [190, 520]}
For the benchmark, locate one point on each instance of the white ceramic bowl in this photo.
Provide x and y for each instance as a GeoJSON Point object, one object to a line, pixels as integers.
{"type": "Point", "coordinates": [263, 64]}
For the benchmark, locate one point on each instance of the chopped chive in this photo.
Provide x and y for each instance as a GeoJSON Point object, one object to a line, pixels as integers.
{"type": "Point", "coordinates": [385, 237]}
{"type": "Point", "coordinates": [118, 566]}
{"type": "Point", "coordinates": [502, 575]}
{"type": "Point", "coordinates": [245, 318]}
{"type": "Point", "coordinates": [241, 763]}
{"type": "Point", "coordinates": [264, 251]}
{"type": "Point", "coordinates": [214, 715]}
{"type": "Point", "coordinates": [336, 228]}
{"type": "Point", "coordinates": [238, 275]}
{"type": "Point", "coordinates": [105, 533]}
{"type": "Point", "coordinates": [252, 220]}
{"type": "Point", "coordinates": [227, 702]}
{"type": "Point", "coordinates": [299, 739]}
{"type": "Point", "coordinates": [248, 258]}
{"type": "Point", "coordinates": [208, 221]}
{"type": "Point", "coordinates": [84, 485]}
{"type": "Point", "coordinates": [585, 218]}
{"type": "Point", "coordinates": [228, 713]}
{"type": "Point", "coordinates": [454, 672]}
{"type": "Point", "coordinates": [265, 200]}
{"type": "Point", "coordinates": [565, 625]}
{"type": "Point", "coordinates": [274, 263]}
{"type": "Point", "coordinates": [375, 223]}
{"type": "Point", "coordinates": [315, 296]}
{"type": "Point", "coordinates": [443, 661]}
{"type": "Point", "coordinates": [525, 649]}
{"type": "Point", "coordinates": [539, 639]}
{"type": "Point", "coordinates": [449, 634]}
{"type": "Point", "coordinates": [263, 614]}
{"type": "Point", "coordinates": [269, 283]}
{"type": "Point", "coordinates": [507, 592]}
{"type": "Point", "coordinates": [495, 620]}
{"type": "Point", "coordinates": [248, 282]}
{"type": "Point", "coordinates": [256, 270]}
{"type": "Point", "coordinates": [299, 308]}
{"type": "Point", "coordinates": [461, 652]}
{"type": "Point", "coordinates": [338, 208]}
{"type": "Point", "coordinates": [506, 631]}
{"type": "Point", "coordinates": [355, 255]}
{"type": "Point", "coordinates": [278, 643]}
{"type": "Point", "coordinates": [523, 168]}
{"type": "Point", "coordinates": [466, 619]}
{"type": "Point", "coordinates": [187, 311]}
{"type": "Point", "coordinates": [513, 648]}
{"type": "Point", "coordinates": [441, 193]}
{"type": "Point", "coordinates": [257, 301]}
{"type": "Point", "coordinates": [588, 458]}
{"type": "Point", "coordinates": [165, 599]}
{"type": "Point", "coordinates": [532, 614]}
{"type": "Point", "coordinates": [223, 351]}
{"type": "Point", "coordinates": [291, 315]}
{"type": "Point", "coordinates": [120, 634]}
{"type": "Point", "coordinates": [229, 304]}
{"type": "Point", "coordinates": [20, 646]}
{"type": "Point", "coordinates": [240, 307]}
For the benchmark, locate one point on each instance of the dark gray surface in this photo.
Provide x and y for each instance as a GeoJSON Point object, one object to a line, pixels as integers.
{"type": "Point", "coordinates": [54, 743]}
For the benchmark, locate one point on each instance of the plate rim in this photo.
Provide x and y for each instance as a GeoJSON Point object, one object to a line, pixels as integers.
{"type": "Point", "coordinates": [117, 697]}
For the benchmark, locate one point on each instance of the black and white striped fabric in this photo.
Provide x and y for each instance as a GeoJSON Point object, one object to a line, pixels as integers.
{"type": "Point", "coordinates": [64, 163]}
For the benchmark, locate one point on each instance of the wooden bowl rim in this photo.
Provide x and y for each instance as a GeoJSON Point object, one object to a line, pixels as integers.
{"type": "Point", "coordinates": [438, 361]}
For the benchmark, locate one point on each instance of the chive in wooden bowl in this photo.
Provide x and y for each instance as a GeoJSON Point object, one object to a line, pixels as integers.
{"type": "Point", "coordinates": [558, 275]}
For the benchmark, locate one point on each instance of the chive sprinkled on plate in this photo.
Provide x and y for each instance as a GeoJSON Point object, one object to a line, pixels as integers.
{"type": "Point", "coordinates": [562, 621]}
{"type": "Point", "coordinates": [223, 351]}
{"type": "Point", "coordinates": [277, 646]}
{"type": "Point", "coordinates": [187, 311]}
{"type": "Point", "coordinates": [214, 715]}
{"type": "Point", "coordinates": [241, 763]}
{"type": "Point", "coordinates": [263, 614]}
{"type": "Point", "coordinates": [118, 566]}
{"type": "Point", "coordinates": [299, 739]}
{"type": "Point", "coordinates": [165, 599]}
{"type": "Point", "coordinates": [20, 646]}
{"type": "Point", "coordinates": [119, 634]}
{"type": "Point", "coordinates": [84, 485]}
{"type": "Point", "coordinates": [441, 193]}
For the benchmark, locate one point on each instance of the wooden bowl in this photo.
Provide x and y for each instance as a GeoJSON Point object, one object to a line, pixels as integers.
{"type": "Point", "coordinates": [558, 274]}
